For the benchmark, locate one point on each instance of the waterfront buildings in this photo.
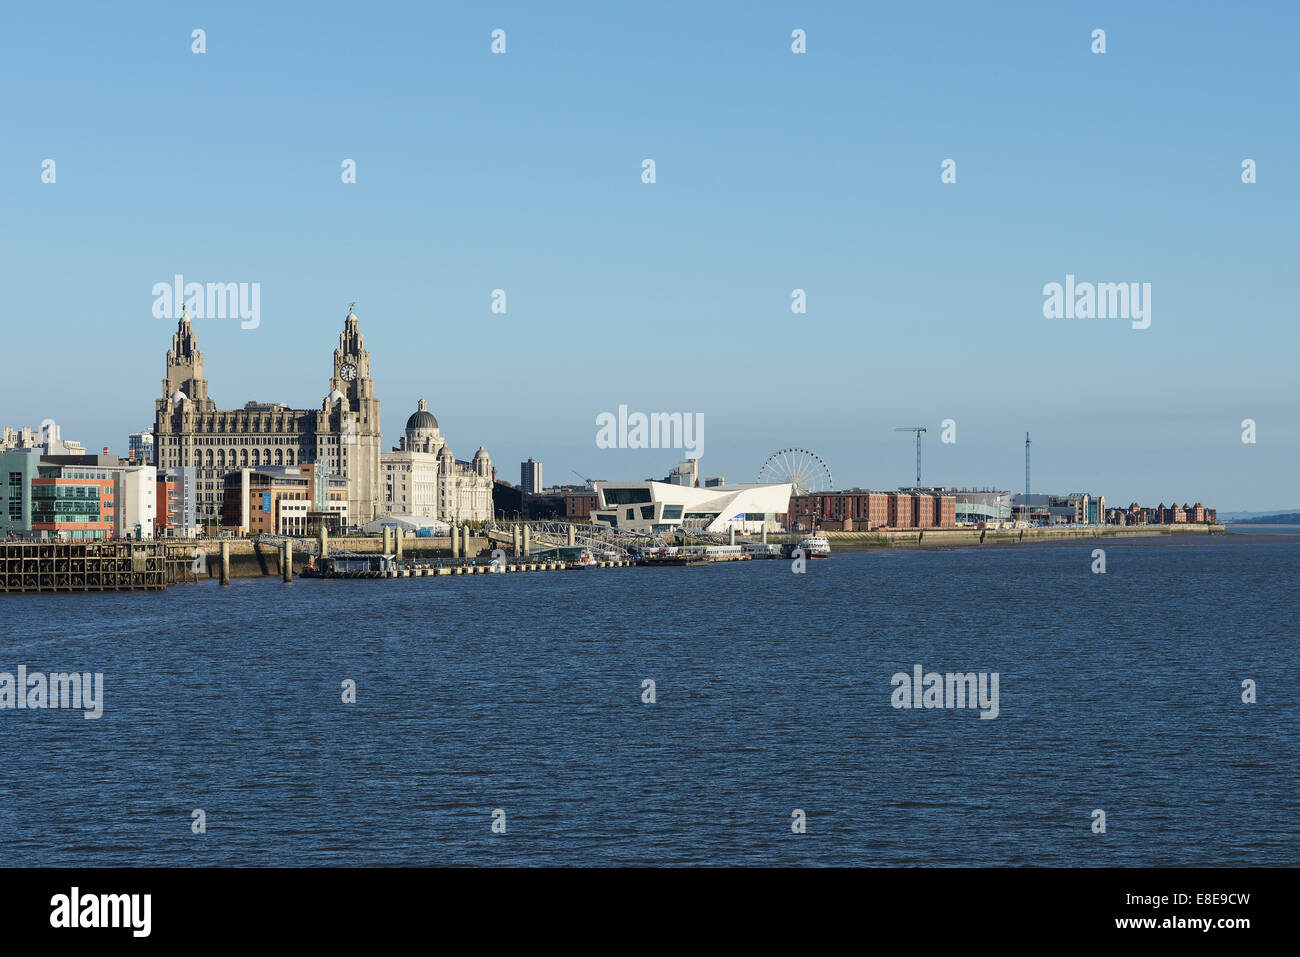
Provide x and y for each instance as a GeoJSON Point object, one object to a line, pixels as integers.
{"type": "Point", "coordinates": [343, 435]}
{"type": "Point", "coordinates": [1076, 508]}
{"type": "Point", "coordinates": [530, 476]}
{"type": "Point", "coordinates": [664, 506]}
{"type": "Point", "coordinates": [863, 510]}
{"type": "Point", "coordinates": [1162, 514]}
{"type": "Point", "coordinates": [422, 477]}
{"type": "Point", "coordinates": [76, 497]}
{"type": "Point", "coordinates": [284, 500]}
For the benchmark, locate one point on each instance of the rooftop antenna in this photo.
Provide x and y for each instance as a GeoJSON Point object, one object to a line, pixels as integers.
{"type": "Point", "coordinates": [918, 429]}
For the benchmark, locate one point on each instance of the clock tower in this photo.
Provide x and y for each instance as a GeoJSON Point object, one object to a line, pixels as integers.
{"type": "Point", "coordinates": [350, 432]}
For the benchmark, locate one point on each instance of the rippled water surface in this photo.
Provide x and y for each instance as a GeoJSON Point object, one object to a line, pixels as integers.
{"type": "Point", "coordinates": [1119, 692]}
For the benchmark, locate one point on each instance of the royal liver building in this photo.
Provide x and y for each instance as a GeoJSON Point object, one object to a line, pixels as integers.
{"type": "Point", "coordinates": [344, 432]}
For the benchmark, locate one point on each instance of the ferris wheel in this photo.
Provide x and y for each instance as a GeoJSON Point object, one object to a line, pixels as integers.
{"type": "Point", "coordinates": [805, 470]}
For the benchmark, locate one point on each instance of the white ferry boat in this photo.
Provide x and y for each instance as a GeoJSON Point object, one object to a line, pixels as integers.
{"type": "Point", "coordinates": [816, 546]}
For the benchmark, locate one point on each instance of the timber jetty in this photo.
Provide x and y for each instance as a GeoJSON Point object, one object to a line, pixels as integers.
{"type": "Point", "coordinates": [93, 566]}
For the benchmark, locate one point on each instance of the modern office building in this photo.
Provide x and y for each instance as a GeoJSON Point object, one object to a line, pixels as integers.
{"type": "Point", "coordinates": [140, 448]}
{"type": "Point", "coordinates": [178, 515]}
{"type": "Point", "coordinates": [76, 497]}
{"type": "Point", "coordinates": [530, 476]}
{"type": "Point", "coordinates": [284, 500]}
{"type": "Point", "coordinates": [343, 434]}
{"type": "Point", "coordinates": [1076, 508]}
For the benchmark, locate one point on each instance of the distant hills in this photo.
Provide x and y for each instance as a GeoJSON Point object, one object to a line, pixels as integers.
{"type": "Point", "coordinates": [1262, 518]}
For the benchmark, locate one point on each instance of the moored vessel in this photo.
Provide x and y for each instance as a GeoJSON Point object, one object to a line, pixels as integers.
{"type": "Point", "coordinates": [816, 546]}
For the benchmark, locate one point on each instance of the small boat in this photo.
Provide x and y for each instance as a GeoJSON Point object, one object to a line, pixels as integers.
{"type": "Point", "coordinates": [585, 560]}
{"type": "Point", "coordinates": [816, 546]}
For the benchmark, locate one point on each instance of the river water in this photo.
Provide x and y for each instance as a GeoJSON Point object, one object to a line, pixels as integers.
{"type": "Point", "coordinates": [1118, 692]}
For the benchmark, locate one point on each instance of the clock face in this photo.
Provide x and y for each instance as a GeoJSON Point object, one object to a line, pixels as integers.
{"type": "Point", "coordinates": [348, 372]}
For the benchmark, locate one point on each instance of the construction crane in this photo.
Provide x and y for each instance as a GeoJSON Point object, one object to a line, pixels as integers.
{"type": "Point", "coordinates": [918, 429]}
{"type": "Point", "coordinates": [591, 483]}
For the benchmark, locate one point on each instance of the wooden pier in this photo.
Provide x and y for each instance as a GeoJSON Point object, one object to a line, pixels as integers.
{"type": "Point", "coordinates": [92, 566]}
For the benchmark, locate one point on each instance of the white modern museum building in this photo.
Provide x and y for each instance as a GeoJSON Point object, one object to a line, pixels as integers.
{"type": "Point", "coordinates": [663, 506]}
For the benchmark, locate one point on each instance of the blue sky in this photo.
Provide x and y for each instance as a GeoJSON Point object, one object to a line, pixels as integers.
{"type": "Point", "coordinates": [775, 171]}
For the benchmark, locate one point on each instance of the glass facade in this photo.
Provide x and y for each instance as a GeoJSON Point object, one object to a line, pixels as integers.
{"type": "Point", "coordinates": [60, 504]}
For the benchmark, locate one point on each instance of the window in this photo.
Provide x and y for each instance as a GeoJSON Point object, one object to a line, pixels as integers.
{"type": "Point", "coordinates": [648, 512]}
{"type": "Point", "coordinates": [626, 496]}
{"type": "Point", "coordinates": [629, 513]}
{"type": "Point", "coordinates": [672, 512]}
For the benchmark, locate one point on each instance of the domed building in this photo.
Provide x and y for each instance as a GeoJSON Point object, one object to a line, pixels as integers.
{"type": "Point", "coordinates": [422, 433]}
{"type": "Point", "coordinates": [422, 477]}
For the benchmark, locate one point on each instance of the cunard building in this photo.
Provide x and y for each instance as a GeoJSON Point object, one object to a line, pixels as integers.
{"type": "Point", "coordinates": [342, 435]}
{"type": "Point", "coordinates": [421, 477]}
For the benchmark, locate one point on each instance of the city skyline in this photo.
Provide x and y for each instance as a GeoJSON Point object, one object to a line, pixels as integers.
{"type": "Point", "coordinates": [669, 455]}
{"type": "Point", "coordinates": [819, 172]}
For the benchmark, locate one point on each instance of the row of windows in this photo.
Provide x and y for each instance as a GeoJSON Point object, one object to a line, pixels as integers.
{"type": "Point", "coordinates": [66, 492]}
{"type": "Point", "coordinates": [250, 438]}
{"type": "Point", "coordinates": [52, 516]}
{"type": "Point", "coordinates": [58, 471]}
{"type": "Point", "coordinates": [238, 425]}
{"type": "Point", "coordinates": [243, 458]}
